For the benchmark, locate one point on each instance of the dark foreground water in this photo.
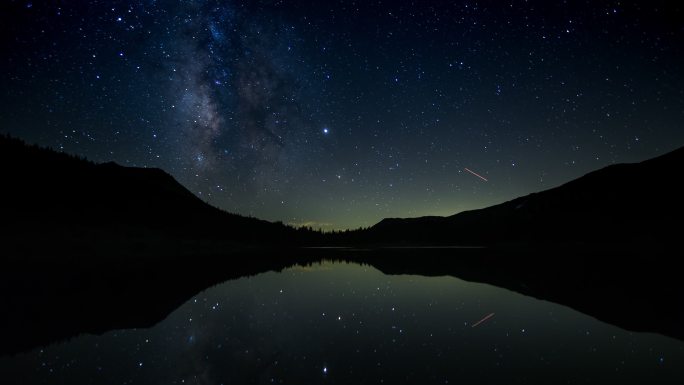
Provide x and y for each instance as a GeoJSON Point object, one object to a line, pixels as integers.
{"type": "Point", "coordinates": [339, 323]}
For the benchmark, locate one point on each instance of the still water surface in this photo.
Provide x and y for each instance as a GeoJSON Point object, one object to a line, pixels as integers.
{"type": "Point", "coordinates": [340, 323]}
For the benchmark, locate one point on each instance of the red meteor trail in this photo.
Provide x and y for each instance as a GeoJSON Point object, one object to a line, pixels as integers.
{"type": "Point", "coordinates": [490, 315]}
{"type": "Point", "coordinates": [476, 174]}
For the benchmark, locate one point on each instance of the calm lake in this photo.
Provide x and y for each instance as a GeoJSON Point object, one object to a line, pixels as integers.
{"type": "Point", "coordinates": [345, 323]}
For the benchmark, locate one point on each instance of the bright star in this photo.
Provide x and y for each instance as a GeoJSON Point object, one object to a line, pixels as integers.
{"type": "Point", "coordinates": [325, 131]}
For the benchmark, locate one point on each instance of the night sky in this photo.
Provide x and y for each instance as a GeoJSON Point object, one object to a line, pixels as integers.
{"type": "Point", "coordinates": [338, 114]}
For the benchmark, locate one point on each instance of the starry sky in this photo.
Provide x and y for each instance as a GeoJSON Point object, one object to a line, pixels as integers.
{"type": "Point", "coordinates": [336, 114]}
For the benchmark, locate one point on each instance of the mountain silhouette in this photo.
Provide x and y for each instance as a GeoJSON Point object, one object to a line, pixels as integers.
{"type": "Point", "coordinates": [55, 203]}
{"type": "Point", "coordinates": [620, 204]}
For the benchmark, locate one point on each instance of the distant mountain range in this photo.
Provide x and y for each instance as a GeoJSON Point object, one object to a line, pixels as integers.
{"type": "Point", "coordinates": [52, 201]}
{"type": "Point", "coordinates": [625, 204]}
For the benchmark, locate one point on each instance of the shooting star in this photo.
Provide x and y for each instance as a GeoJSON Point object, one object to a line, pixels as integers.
{"type": "Point", "coordinates": [490, 315]}
{"type": "Point", "coordinates": [476, 174]}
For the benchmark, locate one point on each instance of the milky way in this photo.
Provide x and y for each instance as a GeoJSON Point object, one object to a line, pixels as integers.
{"type": "Point", "coordinates": [338, 114]}
{"type": "Point", "coordinates": [237, 101]}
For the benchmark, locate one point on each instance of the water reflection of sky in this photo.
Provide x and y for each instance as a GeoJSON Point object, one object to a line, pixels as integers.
{"type": "Point", "coordinates": [350, 324]}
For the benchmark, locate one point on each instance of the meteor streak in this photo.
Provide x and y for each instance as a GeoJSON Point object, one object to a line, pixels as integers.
{"type": "Point", "coordinates": [490, 315]}
{"type": "Point", "coordinates": [476, 174]}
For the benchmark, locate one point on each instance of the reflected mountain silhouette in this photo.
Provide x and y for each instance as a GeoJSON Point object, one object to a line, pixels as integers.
{"type": "Point", "coordinates": [65, 299]}
{"type": "Point", "coordinates": [53, 299]}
